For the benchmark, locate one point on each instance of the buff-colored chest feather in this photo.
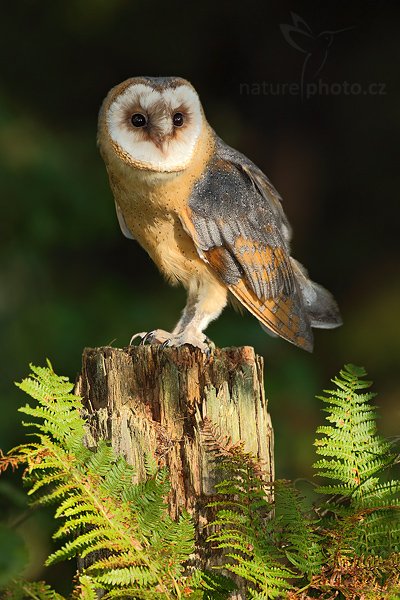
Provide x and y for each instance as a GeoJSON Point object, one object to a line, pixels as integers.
{"type": "Point", "coordinates": [151, 204]}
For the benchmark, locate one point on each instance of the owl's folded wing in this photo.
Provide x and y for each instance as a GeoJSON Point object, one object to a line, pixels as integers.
{"type": "Point", "coordinates": [238, 231]}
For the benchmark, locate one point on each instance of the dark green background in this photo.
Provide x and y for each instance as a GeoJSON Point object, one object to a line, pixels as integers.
{"type": "Point", "coordinates": [68, 277]}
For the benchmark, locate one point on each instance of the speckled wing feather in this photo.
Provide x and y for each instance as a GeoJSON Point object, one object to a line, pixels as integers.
{"type": "Point", "coordinates": [237, 223]}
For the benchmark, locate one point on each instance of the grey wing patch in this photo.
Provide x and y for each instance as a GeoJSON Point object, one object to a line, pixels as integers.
{"type": "Point", "coordinates": [230, 214]}
{"type": "Point", "coordinates": [122, 223]}
{"type": "Point", "coordinates": [261, 183]}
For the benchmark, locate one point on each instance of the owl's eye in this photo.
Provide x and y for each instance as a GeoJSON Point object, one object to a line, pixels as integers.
{"type": "Point", "coordinates": [177, 119]}
{"type": "Point", "coordinates": [138, 120]}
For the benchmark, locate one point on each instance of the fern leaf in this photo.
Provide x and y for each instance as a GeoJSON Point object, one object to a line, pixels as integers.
{"type": "Point", "coordinates": [101, 509]}
{"type": "Point", "coordinates": [86, 589]}
{"type": "Point", "coordinates": [299, 538]}
{"type": "Point", "coordinates": [352, 449]}
{"type": "Point", "coordinates": [212, 585]}
{"type": "Point", "coordinates": [355, 459]}
{"type": "Point", "coordinates": [127, 576]}
{"type": "Point", "coordinates": [24, 590]}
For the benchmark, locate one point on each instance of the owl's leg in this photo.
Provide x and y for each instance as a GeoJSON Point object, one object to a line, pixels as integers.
{"type": "Point", "coordinates": [160, 336]}
{"type": "Point", "coordinates": [189, 310]}
{"type": "Point", "coordinates": [206, 299]}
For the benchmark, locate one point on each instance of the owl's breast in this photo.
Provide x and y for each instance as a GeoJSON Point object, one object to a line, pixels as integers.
{"type": "Point", "coordinates": [152, 203]}
{"type": "Point", "coordinates": [151, 214]}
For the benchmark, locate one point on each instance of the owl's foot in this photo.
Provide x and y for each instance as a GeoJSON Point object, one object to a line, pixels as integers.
{"type": "Point", "coordinates": [166, 339]}
{"type": "Point", "coordinates": [157, 336]}
{"type": "Point", "coordinates": [192, 338]}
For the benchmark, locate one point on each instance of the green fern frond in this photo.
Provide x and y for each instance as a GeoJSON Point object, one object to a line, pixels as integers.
{"type": "Point", "coordinates": [150, 465]}
{"type": "Point", "coordinates": [356, 458]}
{"type": "Point", "coordinates": [270, 580]}
{"type": "Point", "coordinates": [353, 451]}
{"type": "Point", "coordinates": [101, 461]}
{"type": "Point", "coordinates": [348, 545]}
{"type": "Point", "coordinates": [100, 507]}
{"type": "Point", "coordinates": [118, 477]}
{"type": "Point", "coordinates": [245, 532]}
{"type": "Point", "coordinates": [299, 535]}
{"type": "Point", "coordinates": [28, 590]}
{"type": "Point", "coordinates": [127, 576]}
{"type": "Point", "coordinates": [135, 593]}
{"type": "Point", "coordinates": [86, 589]}
{"type": "Point", "coordinates": [211, 585]}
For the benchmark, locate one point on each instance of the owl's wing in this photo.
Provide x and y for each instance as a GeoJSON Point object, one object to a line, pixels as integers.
{"type": "Point", "coordinates": [261, 182]}
{"type": "Point", "coordinates": [238, 226]}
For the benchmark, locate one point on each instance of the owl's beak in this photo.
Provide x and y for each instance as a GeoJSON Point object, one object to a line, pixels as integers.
{"type": "Point", "coordinates": [161, 132]}
{"type": "Point", "coordinates": [160, 141]}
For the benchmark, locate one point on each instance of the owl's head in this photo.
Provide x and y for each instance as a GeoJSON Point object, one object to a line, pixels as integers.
{"type": "Point", "coordinates": [153, 123]}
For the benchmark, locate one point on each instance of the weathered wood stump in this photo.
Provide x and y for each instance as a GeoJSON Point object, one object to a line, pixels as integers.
{"type": "Point", "coordinates": [145, 399]}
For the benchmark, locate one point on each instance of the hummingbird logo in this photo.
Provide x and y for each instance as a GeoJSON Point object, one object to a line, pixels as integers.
{"type": "Point", "coordinates": [315, 46]}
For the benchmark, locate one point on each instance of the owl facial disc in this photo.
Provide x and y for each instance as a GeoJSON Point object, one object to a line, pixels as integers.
{"type": "Point", "coordinates": [155, 123]}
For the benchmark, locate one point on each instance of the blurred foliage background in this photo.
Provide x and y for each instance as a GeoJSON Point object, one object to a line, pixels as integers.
{"type": "Point", "coordinates": [69, 278]}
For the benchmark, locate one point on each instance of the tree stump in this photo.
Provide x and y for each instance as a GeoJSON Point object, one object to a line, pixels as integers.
{"type": "Point", "coordinates": [145, 399]}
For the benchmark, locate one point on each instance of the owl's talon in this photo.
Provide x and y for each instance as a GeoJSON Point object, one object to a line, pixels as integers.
{"type": "Point", "coordinates": [137, 335]}
{"type": "Point", "coordinates": [146, 338]}
{"type": "Point", "coordinates": [211, 345]}
{"type": "Point", "coordinates": [156, 336]}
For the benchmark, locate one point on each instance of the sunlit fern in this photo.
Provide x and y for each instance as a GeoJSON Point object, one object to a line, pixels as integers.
{"type": "Point", "coordinates": [136, 547]}
{"type": "Point", "coordinates": [322, 547]}
{"type": "Point", "coordinates": [274, 544]}
{"type": "Point", "coordinates": [357, 462]}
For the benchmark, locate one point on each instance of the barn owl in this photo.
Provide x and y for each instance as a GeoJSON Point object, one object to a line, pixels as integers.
{"type": "Point", "coordinates": [207, 216]}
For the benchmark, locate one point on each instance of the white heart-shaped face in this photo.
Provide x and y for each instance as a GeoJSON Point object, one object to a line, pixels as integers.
{"type": "Point", "coordinates": [156, 125]}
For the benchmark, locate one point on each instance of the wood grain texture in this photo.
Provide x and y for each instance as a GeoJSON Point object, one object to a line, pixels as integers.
{"type": "Point", "coordinates": [147, 399]}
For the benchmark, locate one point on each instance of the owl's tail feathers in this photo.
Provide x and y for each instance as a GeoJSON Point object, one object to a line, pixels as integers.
{"type": "Point", "coordinates": [320, 305]}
